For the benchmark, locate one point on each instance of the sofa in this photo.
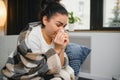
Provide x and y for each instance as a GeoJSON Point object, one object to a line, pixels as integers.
{"type": "Point", "coordinates": [8, 44]}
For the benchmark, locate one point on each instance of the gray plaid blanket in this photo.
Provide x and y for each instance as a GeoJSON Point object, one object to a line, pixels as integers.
{"type": "Point", "coordinates": [22, 64]}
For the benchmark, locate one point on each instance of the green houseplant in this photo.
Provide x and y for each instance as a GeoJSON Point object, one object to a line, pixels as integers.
{"type": "Point", "coordinates": [72, 20]}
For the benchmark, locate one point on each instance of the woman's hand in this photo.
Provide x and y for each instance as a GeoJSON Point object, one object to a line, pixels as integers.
{"type": "Point", "coordinates": [66, 39]}
{"type": "Point", "coordinates": [61, 40]}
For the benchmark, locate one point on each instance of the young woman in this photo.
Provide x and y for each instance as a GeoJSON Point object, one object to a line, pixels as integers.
{"type": "Point", "coordinates": [40, 52]}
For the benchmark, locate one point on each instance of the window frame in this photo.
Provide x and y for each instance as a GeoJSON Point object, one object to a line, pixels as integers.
{"type": "Point", "coordinates": [96, 23]}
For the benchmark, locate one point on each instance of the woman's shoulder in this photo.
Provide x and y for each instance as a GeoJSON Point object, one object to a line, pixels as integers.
{"type": "Point", "coordinates": [36, 30]}
{"type": "Point", "coordinates": [34, 34]}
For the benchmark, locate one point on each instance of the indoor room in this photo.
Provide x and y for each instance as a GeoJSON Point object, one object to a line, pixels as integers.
{"type": "Point", "coordinates": [92, 27]}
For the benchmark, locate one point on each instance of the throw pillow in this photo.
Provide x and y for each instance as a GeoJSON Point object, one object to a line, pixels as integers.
{"type": "Point", "coordinates": [76, 54]}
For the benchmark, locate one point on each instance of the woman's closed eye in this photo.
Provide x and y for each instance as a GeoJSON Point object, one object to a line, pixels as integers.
{"type": "Point", "coordinates": [60, 25]}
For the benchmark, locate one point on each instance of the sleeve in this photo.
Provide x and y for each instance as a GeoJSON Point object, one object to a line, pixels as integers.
{"type": "Point", "coordinates": [48, 60]}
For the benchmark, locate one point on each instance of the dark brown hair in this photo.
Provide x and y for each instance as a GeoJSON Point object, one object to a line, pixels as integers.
{"type": "Point", "coordinates": [49, 8]}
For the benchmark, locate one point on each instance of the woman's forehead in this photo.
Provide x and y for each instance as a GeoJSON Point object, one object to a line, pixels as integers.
{"type": "Point", "coordinates": [59, 16]}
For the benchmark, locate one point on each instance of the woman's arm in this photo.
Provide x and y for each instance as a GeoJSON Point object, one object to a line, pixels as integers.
{"type": "Point", "coordinates": [61, 40]}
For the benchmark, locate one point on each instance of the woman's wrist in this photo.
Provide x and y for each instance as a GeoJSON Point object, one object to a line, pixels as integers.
{"type": "Point", "coordinates": [59, 51]}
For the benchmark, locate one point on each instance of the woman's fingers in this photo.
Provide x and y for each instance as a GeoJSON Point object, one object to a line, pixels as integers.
{"type": "Point", "coordinates": [59, 37]}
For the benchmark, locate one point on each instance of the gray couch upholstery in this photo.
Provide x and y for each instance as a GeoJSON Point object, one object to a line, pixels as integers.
{"type": "Point", "coordinates": [7, 45]}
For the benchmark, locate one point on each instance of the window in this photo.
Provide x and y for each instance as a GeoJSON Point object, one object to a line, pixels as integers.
{"type": "Point", "coordinates": [103, 16]}
{"type": "Point", "coordinates": [81, 9]}
{"type": "Point", "coordinates": [94, 14]}
{"type": "Point", "coordinates": [111, 13]}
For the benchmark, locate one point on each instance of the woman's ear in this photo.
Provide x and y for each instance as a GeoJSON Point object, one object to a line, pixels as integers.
{"type": "Point", "coordinates": [45, 20]}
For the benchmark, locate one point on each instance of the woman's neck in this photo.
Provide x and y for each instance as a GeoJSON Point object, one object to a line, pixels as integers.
{"type": "Point", "coordinates": [47, 39]}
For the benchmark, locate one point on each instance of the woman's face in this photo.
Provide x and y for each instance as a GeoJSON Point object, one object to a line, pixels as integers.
{"type": "Point", "coordinates": [54, 24]}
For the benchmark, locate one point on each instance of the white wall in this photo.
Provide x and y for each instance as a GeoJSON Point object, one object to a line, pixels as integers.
{"type": "Point", "coordinates": [105, 55]}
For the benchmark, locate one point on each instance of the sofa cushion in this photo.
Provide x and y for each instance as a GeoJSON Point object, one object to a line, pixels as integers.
{"type": "Point", "coordinates": [76, 54]}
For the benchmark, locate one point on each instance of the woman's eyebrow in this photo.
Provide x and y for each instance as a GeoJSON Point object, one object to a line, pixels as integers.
{"type": "Point", "coordinates": [60, 22]}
